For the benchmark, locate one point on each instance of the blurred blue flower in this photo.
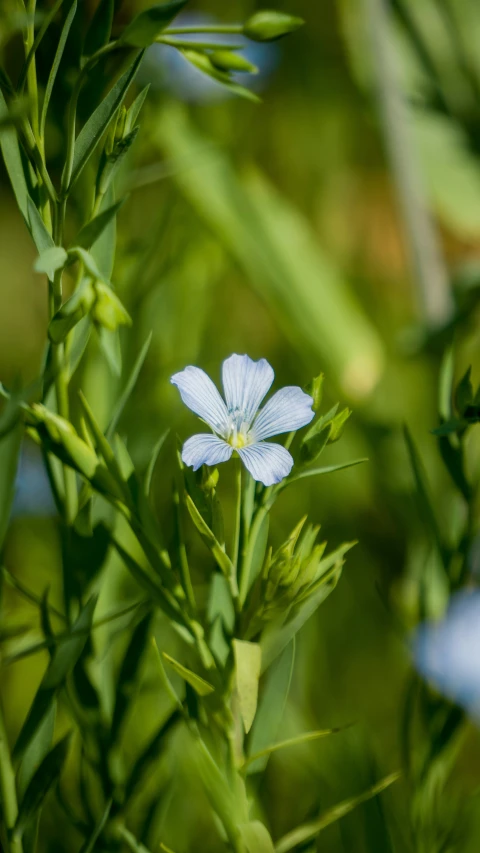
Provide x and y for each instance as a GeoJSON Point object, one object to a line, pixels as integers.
{"type": "Point", "coordinates": [447, 653]}
{"type": "Point", "coordinates": [165, 68]}
{"type": "Point", "coordinates": [33, 496]}
{"type": "Point", "coordinates": [237, 424]}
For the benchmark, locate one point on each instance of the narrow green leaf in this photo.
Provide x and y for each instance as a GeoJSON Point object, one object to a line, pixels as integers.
{"type": "Point", "coordinates": [293, 741]}
{"type": "Point", "coordinates": [99, 31]}
{"type": "Point", "coordinates": [149, 756]}
{"type": "Point", "coordinates": [221, 558]}
{"type": "Point", "coordinates": [13, 161]}
{"type": "Point", "coordinates": [256, 837]}
{"type": "Point", "coordinates": [50, 261]}
{"type": "Point", "coordinates": [422, 492]}
{"type": "Point", "coordinates": [41, 237]}
{"type": "Point", "coordinates": [90, 843]}
{"type": "Point", "coordinates": [95, 228]}
{"type": "Point", "coordinates": [147, 25]}
{"type": "Point", "coordinates": [62, 663]}
{"type": "Point", "coordinates": [92, 132]}
{"type": "Point", "coordinates": [110, 345]}
{"type": "Point", "coordinates": [248, 663]}
{"type": "Point", "coordinates": [88, 262]}
{"type": "Point", "coordinates": [134, 110]}
{"type": "Point", "coordinates": [37, 750]}
{"type": "Point", "coordinates": [202, 687]}
{"type": "Point", "coordinates": [271, 708]}
{"type": "Point", "coordinates": [153, 461]}
{"type": "Point", "coordinates": [43, 780]}
{"type": "Point", "coordinates": [56, 62]}
{"type": "Point", "coordinates": [130, 385]}
{"type": "Point", "coordinates": [329, 469]}
{"type": "Point", "coordinates": [103, 249]}
{"type": "Point", "coordinates": [464, 392]}
{"type": "Point", "coordinates": [309, 831]}
{"type": "Point", "coordinates": [129, 673]}
{"type": "Point", "coordinates": [9, 453]}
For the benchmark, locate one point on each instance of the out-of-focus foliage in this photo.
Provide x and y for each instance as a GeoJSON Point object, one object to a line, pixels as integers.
{"type": "Point", "coordinates": [271, 229]}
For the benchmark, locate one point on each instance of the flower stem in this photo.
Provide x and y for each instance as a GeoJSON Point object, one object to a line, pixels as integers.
{"type": "Point", "coordinates": [238, 514]}
{"type": "Point", "coordinates": [208, 28]}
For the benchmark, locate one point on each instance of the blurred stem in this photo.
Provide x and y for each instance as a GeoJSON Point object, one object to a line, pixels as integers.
{"type": "Point", "coordinates": [8, 790]}
{"type": "Point", "coordinates": [221, 28]}
{"type": "Point", "coordinates": [182, 554]}
{"type": "Point", "coordinates": [451, 24]}
{"type": "Point", "coordinates": [32, 71]}
{"type": "Point", "coordinates": [428, 267]}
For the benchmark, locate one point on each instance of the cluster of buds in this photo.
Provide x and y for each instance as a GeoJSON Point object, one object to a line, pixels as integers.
{"type": "Point", "coordinates": [292, 569]}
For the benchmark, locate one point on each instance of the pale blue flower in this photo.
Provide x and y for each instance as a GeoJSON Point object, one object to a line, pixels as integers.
{"type": "Point", "coordinates": [236, 422]}
{"type": "Point", "coordinates": [447, 653]}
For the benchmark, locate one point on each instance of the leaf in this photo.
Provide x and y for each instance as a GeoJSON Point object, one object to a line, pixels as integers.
{"type": "Point", "coordinates": [424, 501]}
{"type": "Point", "coordinates": [270, 709]}
{"type": "Point", "coordinates": [90, 843]}
{"type": "Point", "coordinates": [92, 132]}
{"type": "Point", "coordinates": [50, 261]}
{"type": "Point", "coordinates": [110, 345]}
{"type": "Point", "coordinates": [129, 387]}
{"type": "Point", "coordinates": [98, 33]}
{"type": "Point", "coordinates": [9, 453]}
{"type": "Point", "coordinates": [88, 262]}
{"type": "Point", "coordinates": [150, 754]}
{"type": "Point", "coordinates": [256, 837]}
{"type": "Point", "coordinates": [128, 674]}
{"type": "Point", "coordinates": [329, 469]}
{"type": "Point", "coordinates": [13, 161]}
{"type": "Point", "coordinates": [153, 461]}
{"type": "Point", "coordinates": [134, 110]}
{"type": "Point", "coordinates": [464, 392]}
{"type": "Point", "coordinates": [222, 559]}
{"type": "Point", "coordinates": [55, 65]}
{"type": "Point", "coordinates": [293, 741]}
{"type": "Point", "coordinates": [103, 249]}
{"type": "Point", "coordinates": [147, 25]}
{"type": "Point", "coordinates": [43, 780]}
{"type": "Point", "coordinates": [202, 687]}
{"type": "Point", "coordinates": [248, 662]}
{"type": "Point", "coordinates": [62, 663]}
{"type": "Point", "coordinates": [37, 750]}
{"type": "Point", "coordinates": [41, 237]}
{"type": "Point", "coordinates": [94, 229]}
{"type": "Point", "coordinates": [309, 831]}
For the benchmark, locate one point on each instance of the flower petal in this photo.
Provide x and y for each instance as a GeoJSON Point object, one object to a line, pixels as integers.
{"type": "Point", "coordinates": [288, 410]}
{"type": "Point", "coordinates": [205, 449]}
{"type": "Point", "coordinates": [268, 463]}
{"type": "Point", "coordinates": [200, 395]}
{"type": "Point", "coordinates": [245, 383]}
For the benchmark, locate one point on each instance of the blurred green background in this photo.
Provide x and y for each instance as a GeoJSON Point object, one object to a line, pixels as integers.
{"type": "Point", "coordinates": [274, 230]}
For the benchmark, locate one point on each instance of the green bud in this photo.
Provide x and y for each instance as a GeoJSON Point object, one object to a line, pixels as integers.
{"type": "Point", "coordinates": [464, 392]}
{"type": "Point", "coordinates": [269, 25]}
{"type": "Point", "coordinates": [229, 60]}
{"type": "Point", "coordinates": [108, 311]}
{"type": "Point", "coordinates": [120, 123]}
{"type": "Point", "coordinates": [72, 311]}
{"type": "Point", "coordinates": [315, 389]}
{"type": "Point", "coordinates": [338, 425]}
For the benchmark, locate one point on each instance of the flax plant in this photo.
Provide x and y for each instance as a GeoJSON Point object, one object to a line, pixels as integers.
{"type": "Point", "coordinates": [259, 595]}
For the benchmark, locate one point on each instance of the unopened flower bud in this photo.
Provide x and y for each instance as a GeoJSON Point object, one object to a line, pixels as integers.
{"type": "Point", "coordinates": [269, 25]}
{"type": "Point", "coordinates": [108, 311]}
{"type": "Point", "coordinates": [229, 60]}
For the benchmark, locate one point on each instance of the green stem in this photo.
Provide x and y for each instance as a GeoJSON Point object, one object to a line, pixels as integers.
{"type": "Point", "coordinates": [8, 791]}
{"type": "Point", "coordinates": [237, 29]}
{"type": "Point", "coordinates": [196, 45]}
{"type": "Point", "coordinates": [238, 514]}
{"type": "Point", "coordinates": [246, 564]}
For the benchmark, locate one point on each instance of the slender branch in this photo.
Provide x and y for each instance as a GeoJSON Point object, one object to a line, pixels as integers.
{"type": "Point", "coordinates": [236, 29]}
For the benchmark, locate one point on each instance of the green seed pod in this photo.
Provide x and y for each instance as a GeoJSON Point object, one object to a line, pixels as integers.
{"type": "Point", "coordinates": [338, 425]}
{"type": "Point", "coordinates": [269, 25]}
{"type": "Point", "coordinates": [229, 60]}
{"type": "Point", "coordinates": [108, 311]}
